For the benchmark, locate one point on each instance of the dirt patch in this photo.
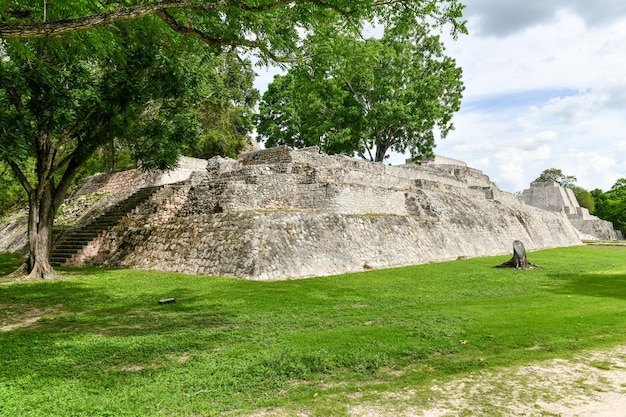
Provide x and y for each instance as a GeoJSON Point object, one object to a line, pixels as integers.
{"type": "Point", "coordinates": [24, 319]}
{"type": "Point", "coordinates": [591, 385]}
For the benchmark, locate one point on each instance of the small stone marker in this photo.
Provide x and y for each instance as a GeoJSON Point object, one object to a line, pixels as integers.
{"type": "Point", "coordinates": [167, 301]}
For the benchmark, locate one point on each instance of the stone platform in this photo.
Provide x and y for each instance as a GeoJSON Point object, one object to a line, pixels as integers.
{"type": "Point", "coordinates": [282, 213]}
{"type": "Point", "coordinates": [554, 197]}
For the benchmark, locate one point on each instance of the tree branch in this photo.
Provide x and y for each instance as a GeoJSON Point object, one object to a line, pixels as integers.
{"type": "Point", "coordinates": [217, 42]}
{"type": "Point", "coordinates": [68, 135]}
{"type": "Point", "coordinates": [16, 99]}
{"type": "Point", "coordinates": [78, 24]}
{"type": "Point", "coordinates": [20, 176]}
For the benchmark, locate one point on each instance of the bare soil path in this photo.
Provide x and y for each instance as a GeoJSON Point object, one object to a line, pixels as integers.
{"type": "Point", "coordinates": [592, 385]}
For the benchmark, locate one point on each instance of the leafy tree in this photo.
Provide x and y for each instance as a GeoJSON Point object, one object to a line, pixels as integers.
{"type": "Point", "coordinates": [76, 75]}
{"type": "Point", "coordinates": [226, 111]}
{"type": "Point", "coordinates": [59, 103]}
{"type": "Point", "coordinates": [12, 192]}
{"type": "Point", "coordinates": [611, 205]}
{"type": "Point", "coordinates": [272, 27]}
{"type": "Point", "coordinates": [585, 199]}
{"type": "Point", "coordinates": [365, 96]}
{"type": "Point", "coordinates": [556, 175]}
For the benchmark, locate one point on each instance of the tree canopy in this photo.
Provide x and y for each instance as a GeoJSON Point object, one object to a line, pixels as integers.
{"type": "Point", "coordinates": [556, 175]}
{"type": "Point", "coordinates": [365, 97]}
{"type": "Point", "coordinates": [611, 205]}
{"type": "Point", "coordinates": [226, 109]}
{"type": "Point", "coordinates": [61, 99]}
{"type": "Point", "coordinates": [272, 27]}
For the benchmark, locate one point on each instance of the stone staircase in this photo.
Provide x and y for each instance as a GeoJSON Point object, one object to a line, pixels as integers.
{"type": "Point", "coordinates": [75, 239]}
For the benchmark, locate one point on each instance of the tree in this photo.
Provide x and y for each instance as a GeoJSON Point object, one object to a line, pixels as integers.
{"type": "Point", "coordinates": [59, 104]}
{"type": "Point", "coordinates": [76, 75]}
{"type": "Point", "coordinates": [272, 27]}
{"type": "Point", "coordinates": [584, 198]}
{"type": "Point", "coordinates": [226, 111]}
{"type": "Point", "coordinates": [365, 97]}
{"type": "Point", "coordinates": [556, 175]}
{"type": "Point", "coordinates": [611, 205]}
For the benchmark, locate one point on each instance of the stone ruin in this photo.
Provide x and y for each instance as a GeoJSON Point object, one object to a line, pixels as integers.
{"type": "Point", "coordinates": [554, 197]}
{"type": "Point", "coordinates": [281, 213]}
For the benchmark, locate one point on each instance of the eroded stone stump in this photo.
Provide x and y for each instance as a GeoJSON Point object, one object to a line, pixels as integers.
{"type": "Point", "coordinates": [519, 259]}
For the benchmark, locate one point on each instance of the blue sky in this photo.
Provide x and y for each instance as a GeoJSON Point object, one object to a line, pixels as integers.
{"type": "Point", "coordinates": [545, 88]}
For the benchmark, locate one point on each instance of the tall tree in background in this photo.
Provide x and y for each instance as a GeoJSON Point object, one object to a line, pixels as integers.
{"type": "Point", "coordinates": [611, 205]}
{"type": "Point", "coordinates": [365, 97]}
{"type": "Point", "coordinates": [75, 75]}
{"type": "Point", "coordinates": [584, 198]}
{"type": "Point", "coordinates": [556, 175]}
{"type": "Point", "coordinates": [226, 110]}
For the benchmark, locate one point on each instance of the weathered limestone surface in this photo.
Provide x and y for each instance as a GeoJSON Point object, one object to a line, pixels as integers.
{"type": "Point", "coordinates": [279, 214]}
{"type": "Point", "coordinates": [552, 196]}
{"type": "Point", "coordinates": [94, 196]}
{"type": "Point", "coordinates": [14, 234]}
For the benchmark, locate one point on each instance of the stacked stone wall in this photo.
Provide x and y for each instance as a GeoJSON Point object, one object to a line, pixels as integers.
{"type": "Point", "coordinates": [279, 214]}
{"type": "Point", "coordinates": [279, 245]}
{"type": "Point", "coordinates": [14, 234]}
{"type": "Point", "coordinates": [595, 228]}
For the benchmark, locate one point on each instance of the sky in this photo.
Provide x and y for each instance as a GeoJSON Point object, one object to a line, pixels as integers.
{"type": "Point", "coordinates": [545, 88]}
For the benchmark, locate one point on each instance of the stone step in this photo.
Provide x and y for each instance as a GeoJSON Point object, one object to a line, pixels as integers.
{"type": "Point", "coordinates": [80, 237]}
{"type": "Point", "coordinates": [68, 246]}
{"type": "Point", "coordinates": [73, 241]}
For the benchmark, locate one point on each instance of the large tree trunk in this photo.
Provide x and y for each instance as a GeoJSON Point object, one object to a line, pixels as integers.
{"type": "Point", "coordinates": [40, 222]}
{"type": "Point", "coordinates": [110, 158]}
{"type": "Point", "coordinates": [381, 151]}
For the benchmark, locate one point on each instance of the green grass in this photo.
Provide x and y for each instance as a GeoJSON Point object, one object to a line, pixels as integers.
{"type": "Point", "coordinates": [99, 344]}
{"type": "Point", "coordinates": [9, 262]}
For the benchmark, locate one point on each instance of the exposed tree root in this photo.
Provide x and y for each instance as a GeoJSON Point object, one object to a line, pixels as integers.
{"type": "Point", "coordinates": [21, 274]}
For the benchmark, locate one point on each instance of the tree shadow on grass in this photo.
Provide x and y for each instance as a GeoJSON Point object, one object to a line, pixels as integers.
{"type": "Point", "coordinates": [76, 331]}
{"type": "Point", "coordinates": [9, 262]}
{"type": "Point", "coordinates": [593, 284]}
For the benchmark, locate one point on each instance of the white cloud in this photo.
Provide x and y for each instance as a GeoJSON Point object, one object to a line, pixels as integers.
{"type": "Point", "coordinates": [556, 82]}
{"type": "Point", "coordinates": [507, 17]}
{"type": "Point", "coordinates": [538, 140]}
{"type": "Point", "coordinates": [620, 145]}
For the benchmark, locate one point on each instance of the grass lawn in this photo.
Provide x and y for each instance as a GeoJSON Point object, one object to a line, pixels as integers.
{"type": "Point", "coordinates": [99, 344]}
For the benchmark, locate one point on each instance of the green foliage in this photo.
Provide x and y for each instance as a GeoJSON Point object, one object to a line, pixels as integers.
{"type": "Point", "coordinates": [365, 97]}
{"type": "Point", "coordinates": [556, 175]}
{"type": "Point", "coordinates": [584, 198]}
{"type": "Point", "coordinates": [99, 344]}
{"type": "Point", "coordinates": [63, 99]}
{"type": "Point", "coordinates": [78, 101]}
{"type": "Point", "coordinates": [226, 109]}
{"type": "Point", "coordinates": [273, 29]}
{"type": "Point", "coordinates": [611, 205]}
{"type": "Point", "coordinates": [12, 194]}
